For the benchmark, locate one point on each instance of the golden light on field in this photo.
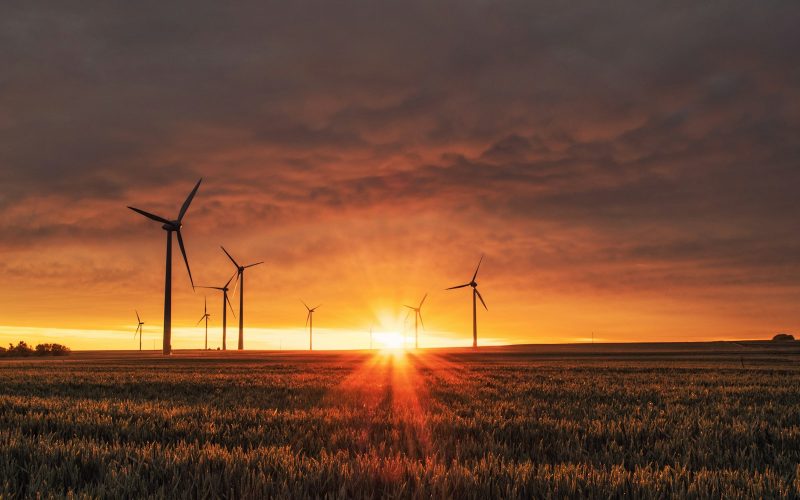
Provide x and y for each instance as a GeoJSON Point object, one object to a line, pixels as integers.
{"type": "Point", "coordinates": [395, 372]}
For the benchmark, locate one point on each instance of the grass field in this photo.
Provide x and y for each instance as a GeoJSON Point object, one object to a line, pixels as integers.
{"type": "Point", "coordinates": [646, 420]}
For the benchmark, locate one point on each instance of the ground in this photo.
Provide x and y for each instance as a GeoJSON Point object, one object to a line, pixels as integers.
{"type": "Point", "coordinates": [641, 420]}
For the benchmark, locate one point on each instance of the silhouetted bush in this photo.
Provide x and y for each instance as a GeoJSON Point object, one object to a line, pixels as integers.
{"type": "Point", "coordinates": [783, 337]}
{"type": "Point", "coordinates": [52, 350]}
{"type": "Point", "coordinates": [22, 350]}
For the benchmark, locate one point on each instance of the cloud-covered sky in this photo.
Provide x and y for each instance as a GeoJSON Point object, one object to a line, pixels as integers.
{"type": "Point", "coordinates": [628, 168]}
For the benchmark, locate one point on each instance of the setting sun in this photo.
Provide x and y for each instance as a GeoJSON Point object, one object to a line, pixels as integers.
{"type": "Point", "coordinates": [389, 340]}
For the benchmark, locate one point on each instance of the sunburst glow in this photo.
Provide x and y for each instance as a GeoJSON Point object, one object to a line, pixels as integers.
{"type": "Point", "coordinates": [389, 340]}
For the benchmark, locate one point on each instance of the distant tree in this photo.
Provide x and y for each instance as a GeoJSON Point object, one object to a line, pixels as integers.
{"type": "Point", "coordinates": [783, 337]}
{"type": "Point", "coordinates": [52, 350]}
{"type": "Point", "coordinates": [20, 350]}
{"type": "Point", "coordinates": [59, 350]}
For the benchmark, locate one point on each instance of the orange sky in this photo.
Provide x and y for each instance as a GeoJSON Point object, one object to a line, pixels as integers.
{"type": "Point", "coordinates": [619, 180]}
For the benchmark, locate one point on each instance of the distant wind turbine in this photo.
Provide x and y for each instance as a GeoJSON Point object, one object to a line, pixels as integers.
{"type": "Point", "coordinates": [205, 316]}
{"type": "Point", "coordinates": [171, 226]}
{"type": "Point", "coordinates": [310, 324]}
{"type": "Point", "coordinates": [417, 314]}
{"type": "Point", "coordinates": [240, 283]}
{"type": "Point", "coordinates": [139, 329]}
{"type": "Point", "coordinates": [475, 293]}
{"type": "Point", "coordinates": [225, 299]}
{"type": "Point", "coordinates": [370, 338]}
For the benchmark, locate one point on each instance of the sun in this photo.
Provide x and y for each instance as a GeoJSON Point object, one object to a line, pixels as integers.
{"type": "Point", "coordinates": [389, 340]}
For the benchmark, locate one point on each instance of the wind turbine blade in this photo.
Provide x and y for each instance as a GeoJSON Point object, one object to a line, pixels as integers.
{"type": "Point", "coordinates": [476, 269]}
{"type": "Point", "coordinates": [235, 283]}
{"type": "Point", "coordinates": [308, 316]}
{"type": "Point", "coordinates": [251, 265]}
{"type": "Point", "coordinates": [201, 319]}
{"type": "Point", "coordinates": [210, 287]}
{"type": "Point", "coordinates": [422, 301]}
{"type": "Point", "coordinates": [137, 316]}
{"type": "Point", "coordinates": [459, 286]}
{"type": "Point", "coordinates": [189, 200]}
{"type": "Point", "coordinates": [205, 305]}
{"type": "Point", "coordinates": [482, 302]}
{"type": "Point", "coordinates": [229, 256]}
{"type": "Point", "coordinates": [229, 281]}
{"type": "Point", "coordinates": [410, 307]}
{"type": "Point", "coordinates": [420, 319]}
{"type": "Point", "coordinates": [151, 216]}
{"type": "Point", "coordinates": [230, 305]}
{"type": "Point", "coordinates": [304, 303]}
{"type": "Point", "coordinates": [185, 259]}
{"type": "Point", "coordinates": [316, 307]}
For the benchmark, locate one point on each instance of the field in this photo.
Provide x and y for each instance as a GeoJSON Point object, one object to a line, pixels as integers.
{"type": "Point", "coordinates": [648, 420]}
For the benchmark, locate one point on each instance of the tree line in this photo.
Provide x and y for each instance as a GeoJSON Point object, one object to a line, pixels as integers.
{"type": "Point", "coordinates": [23, 350]}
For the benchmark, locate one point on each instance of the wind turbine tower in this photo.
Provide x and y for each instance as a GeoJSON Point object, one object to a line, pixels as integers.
{"type": "Point", "coordinates": [171, 226]}
{"type": "Point", "coordinates": [205, 316]}
{"type": "Point", "coordinates": [225, 299]}
{"type": "Point", "coordinates": [139, 330]}
{"type": "Point", "coordinates": [310, 324]}
{"type": "Point", "coordinates": [418, 315]}
{"type": "Point", "coordinates": [240, 272]}
{"type": "Point", "coordinates": [475, 295]}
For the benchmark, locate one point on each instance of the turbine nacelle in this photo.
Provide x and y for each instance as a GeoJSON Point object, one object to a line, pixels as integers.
{"type": "Point", "coordinates": [172, 226]}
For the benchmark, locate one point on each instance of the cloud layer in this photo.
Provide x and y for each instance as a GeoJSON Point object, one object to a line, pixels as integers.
{"type": "Point", "coordinates": [633, 161]}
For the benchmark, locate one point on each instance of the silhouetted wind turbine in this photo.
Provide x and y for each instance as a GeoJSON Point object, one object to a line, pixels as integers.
{"type": "Point", "coordinates": [139, 330]}
{"type": "Point", "coordinates": [171, 226]}
{"type": "Point", "coordinates": [417, 314]}
{"type": "Point", "coordinates": [475, 293]}
{"type": "Point", "coordinates": [224, 290]}
{"type": "Point", "coordinates": [310, 324]}
{"type": "Point", "coordinates": [240, 271]}
{"type": "Point", "coordinates": [205, 316]}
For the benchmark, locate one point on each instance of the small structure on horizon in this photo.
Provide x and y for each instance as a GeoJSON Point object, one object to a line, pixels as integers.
{"type": "Point", "coordinates": [783, 337]}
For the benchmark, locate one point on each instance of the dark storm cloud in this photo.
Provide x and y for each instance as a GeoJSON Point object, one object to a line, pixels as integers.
{"type": "Point", "coordinates": [668, 126]}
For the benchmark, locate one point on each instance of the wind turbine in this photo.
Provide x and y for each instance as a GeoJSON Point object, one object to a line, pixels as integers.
{"type": "Point", "coordinates": [224, 290]}
{"type": "Point", "coordinates": [240, 272]}
{"type": "Point", "coordinates": [139, 330]}
{"type": "Point", "coordinates": [417, 314]}
{"type": "Point", "coordinates": [310, 324]}
{"type": "Point", "coordinates": [370, 338]}
{"type": "Point", "coordinates": [171, 226]}
{"type": "Point", "coordinates": [205, 316]}
{"type": "Point", "coordinates": [475, 293]}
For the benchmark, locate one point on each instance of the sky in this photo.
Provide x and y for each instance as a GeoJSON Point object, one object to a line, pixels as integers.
{"type": "Point", "coordinates": [630, 170]}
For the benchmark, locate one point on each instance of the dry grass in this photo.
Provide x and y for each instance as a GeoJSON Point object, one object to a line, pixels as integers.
{"type": "Point", "coordinates": [437, 424]}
